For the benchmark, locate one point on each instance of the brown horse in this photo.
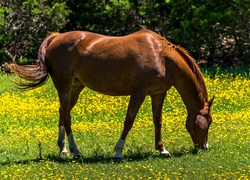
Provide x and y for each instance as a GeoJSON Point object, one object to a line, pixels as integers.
{"type": "Point", "coordinates": [139, 64]}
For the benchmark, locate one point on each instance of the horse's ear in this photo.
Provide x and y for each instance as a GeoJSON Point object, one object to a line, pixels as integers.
{"type": "Point", "coordinates": [210, 102]}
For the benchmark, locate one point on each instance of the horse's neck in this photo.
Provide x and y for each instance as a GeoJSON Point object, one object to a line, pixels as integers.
{"type": "Point", "coordinates": [189, 90]}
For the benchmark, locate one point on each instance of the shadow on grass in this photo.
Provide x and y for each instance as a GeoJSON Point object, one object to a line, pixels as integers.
{"type": "Point", "coordinates": [185, 151]}
{"type": "Point", "coordinates": [128, 157]}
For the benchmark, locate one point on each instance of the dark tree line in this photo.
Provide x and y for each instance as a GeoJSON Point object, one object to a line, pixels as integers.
{"type": "Point", "coordinates": [216, 32]}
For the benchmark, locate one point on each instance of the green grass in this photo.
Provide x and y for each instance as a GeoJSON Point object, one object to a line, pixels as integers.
{"type": "Point", "coordinates": [230, 72]}
{"type": "Point", "coordinates": [28, 135]}
{"type": "Point", "coordinates": [5, 83]}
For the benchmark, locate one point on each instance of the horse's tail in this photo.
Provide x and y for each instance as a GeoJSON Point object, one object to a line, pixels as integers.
{"type": "Point", "coordinates": [33, 76]}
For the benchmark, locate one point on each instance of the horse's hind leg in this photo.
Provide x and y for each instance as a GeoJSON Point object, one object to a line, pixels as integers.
{"type": "Point", "coordinates": [64, 120]}
{"type": "Point", "coordinates": [68, 98]}
{"type": "Point", "coordinates": [75, 92]}
{"type": "Point", "coordinates": [61, 136]}
{"type": "Point", "coordinates": [157, 103]}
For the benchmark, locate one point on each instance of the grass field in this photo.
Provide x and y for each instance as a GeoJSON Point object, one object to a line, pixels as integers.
{"type": "Point", "coordinates": [28, 135]}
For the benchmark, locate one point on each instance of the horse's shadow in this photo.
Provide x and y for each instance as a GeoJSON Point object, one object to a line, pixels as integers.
{"type": "Point", "coordinates": [129, 157]}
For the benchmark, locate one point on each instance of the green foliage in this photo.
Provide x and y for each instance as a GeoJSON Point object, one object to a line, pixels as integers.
{"type": "Point", "coordinates": [107, 17]}
{"type": "Point", "coordinates": [24, 24]}
{"type": "Point", "coordinates": [217, 31]}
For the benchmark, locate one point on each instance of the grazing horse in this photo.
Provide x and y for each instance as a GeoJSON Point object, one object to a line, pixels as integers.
{"type": "Point", "coordinates": [140, 64]}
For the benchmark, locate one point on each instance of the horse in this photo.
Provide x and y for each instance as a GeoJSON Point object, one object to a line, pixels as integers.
{"type": "Point", "coordinates": [137, 65]}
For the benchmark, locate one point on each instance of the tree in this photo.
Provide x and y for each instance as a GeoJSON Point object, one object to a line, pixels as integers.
{"type": "Point", "coordinates": [215, 30]}
{"type": "Point", "coordinates": [111, 17]}
{"type": "Point", "coordinates": [25, 23]}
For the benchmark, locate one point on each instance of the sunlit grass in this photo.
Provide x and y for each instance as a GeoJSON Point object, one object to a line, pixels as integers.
{"type": "Point", "coordinates": [28, 136]}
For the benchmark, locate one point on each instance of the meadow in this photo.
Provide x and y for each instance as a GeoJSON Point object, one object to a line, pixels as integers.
{"type": "Point", "coordinates": [29, 130]}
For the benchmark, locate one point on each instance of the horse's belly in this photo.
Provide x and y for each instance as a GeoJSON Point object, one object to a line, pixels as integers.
{"type": "Point", "coordinates": [111, 90]}
{"type": "Point", "coordinates": [120, 86]}
{"type": "Point", "coordinates": [109, 85]}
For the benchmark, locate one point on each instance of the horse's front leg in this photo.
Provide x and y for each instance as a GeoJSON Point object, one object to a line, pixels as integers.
{"type": "Point", "coordinates": [134, 104]}
{"type": "Point", "coordinates": [157, 103]}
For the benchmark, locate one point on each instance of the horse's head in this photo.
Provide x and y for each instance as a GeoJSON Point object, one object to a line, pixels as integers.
{"type": "Point", "coordinates": [199, 129]}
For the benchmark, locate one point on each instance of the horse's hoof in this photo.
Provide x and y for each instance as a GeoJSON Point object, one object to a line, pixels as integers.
{"type": "Point", "coordinates": [118, 159]}
{"type": "Point", "coordinates": [165, 154]}
{"type": "Point", "coordinates": [64, 153]}
{"type": "Point", "coordinates": [77, 157]}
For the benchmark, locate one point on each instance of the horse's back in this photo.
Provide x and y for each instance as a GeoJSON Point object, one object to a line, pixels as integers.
{"type": "Point", "coordinates": [111, 65]}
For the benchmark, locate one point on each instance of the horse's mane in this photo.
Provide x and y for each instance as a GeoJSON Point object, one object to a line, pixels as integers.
{"type": "Point", "coordinates": [195, 69]}
{"type": "Point", "coordinates": [190, 62]}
